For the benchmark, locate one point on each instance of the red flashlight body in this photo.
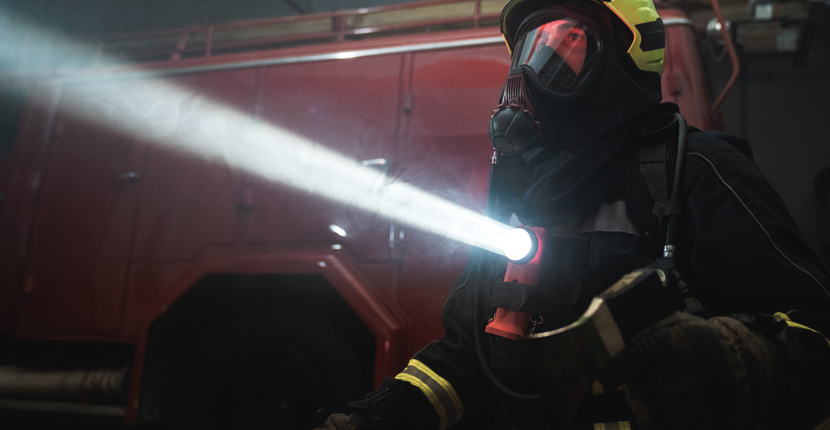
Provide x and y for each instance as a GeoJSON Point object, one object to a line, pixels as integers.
{"type": "Point", "coordinates": [513, 324]}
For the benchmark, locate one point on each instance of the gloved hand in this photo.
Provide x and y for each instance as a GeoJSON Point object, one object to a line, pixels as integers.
{"type": "Point", "coordinates": [357, 420]}
{"type": "Point", "coordinates": [687, 372]}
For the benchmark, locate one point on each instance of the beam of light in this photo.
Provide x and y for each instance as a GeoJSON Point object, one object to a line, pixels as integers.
{"type": "Point", "coordinates": [217, 132]}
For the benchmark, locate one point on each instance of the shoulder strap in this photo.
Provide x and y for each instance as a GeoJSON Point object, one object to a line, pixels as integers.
{"type": "Point", "coordinates": [655, 167]}
{"type": "Point", "coordinates": [654, 205]}
{"type": "Point", "coordinates": [654, 161]}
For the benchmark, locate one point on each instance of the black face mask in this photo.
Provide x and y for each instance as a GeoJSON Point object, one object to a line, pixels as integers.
{"type": "Point", "coordinates": [557, 56]}
{"type": "Point", "coordinates": [579, 133]}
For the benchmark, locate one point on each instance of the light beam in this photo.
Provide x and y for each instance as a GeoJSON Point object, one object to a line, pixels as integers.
{"type": "Point", "coordinates": [216, 131]}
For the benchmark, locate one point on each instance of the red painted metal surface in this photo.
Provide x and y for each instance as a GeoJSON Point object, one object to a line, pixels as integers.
{"type": "Point", "coordinates": [733, 56]}
{"type": "Point", "coordinates": [152, 285]}
{"type": "Point", "coordinates": [684, 78]}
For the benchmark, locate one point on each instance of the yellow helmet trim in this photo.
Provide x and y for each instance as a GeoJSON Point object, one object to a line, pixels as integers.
{"type": "Point", "coordinates": [634, 13]}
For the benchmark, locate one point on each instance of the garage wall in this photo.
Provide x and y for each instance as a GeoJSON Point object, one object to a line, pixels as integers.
{"type": "Point", "coordinates": [785, 113]}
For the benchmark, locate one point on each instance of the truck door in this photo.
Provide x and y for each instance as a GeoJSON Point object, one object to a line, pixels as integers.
{"type": "Point", "coordinates": [190, 201]}
{"type": "Point", "coordinates": [350, 107]}
{"type": "Point", "coordinates": [82, 225]}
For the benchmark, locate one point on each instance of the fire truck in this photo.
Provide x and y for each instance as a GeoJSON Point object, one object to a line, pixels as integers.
{"type": "Point", "coordinates": [156, 285]}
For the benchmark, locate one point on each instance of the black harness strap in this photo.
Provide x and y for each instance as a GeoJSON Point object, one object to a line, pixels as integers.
{"type": "Point", "coordinates": [653, 166]}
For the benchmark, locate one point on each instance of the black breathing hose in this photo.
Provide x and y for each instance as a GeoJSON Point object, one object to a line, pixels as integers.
{"type": "Point", "coordinates": [677, 184]}
{"type": "Point", "coordinates": [479, 306]}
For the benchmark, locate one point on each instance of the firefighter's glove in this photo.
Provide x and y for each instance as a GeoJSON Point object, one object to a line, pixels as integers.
{"type": "Point", "coordinates": [687, 372]}
{"type": "Point", "coordinates": [357, 420]}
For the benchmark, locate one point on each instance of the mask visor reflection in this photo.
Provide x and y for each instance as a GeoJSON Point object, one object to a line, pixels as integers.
{"type": "Point", "coordinates": [560, 54]}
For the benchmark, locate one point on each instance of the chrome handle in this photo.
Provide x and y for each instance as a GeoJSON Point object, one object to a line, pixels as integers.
{"type": "Point", "coordinates": [381, 164]}
{"type": "Point", "coordinates": [128, 176]}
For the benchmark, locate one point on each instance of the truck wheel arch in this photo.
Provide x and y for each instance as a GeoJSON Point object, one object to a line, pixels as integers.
{"type": "Point", "coordinates": [310, 278]}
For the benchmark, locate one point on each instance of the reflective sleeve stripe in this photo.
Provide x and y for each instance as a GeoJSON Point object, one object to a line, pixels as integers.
{"type": "Point", "coordinates": [781, 316]}
{"type": "Point", "coordinates": [438, 391]}
{"type": "Point", "coordinates": [598, 389]}
{"type": "Point", "coordinates": [618, 425]}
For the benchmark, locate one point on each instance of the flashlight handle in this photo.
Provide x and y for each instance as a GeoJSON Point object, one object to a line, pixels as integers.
{"type": "Point", "coordinates": [527, 274]}
{"type": "Point", "coordinates": [508, 324]}
{"type": "Point", "coordinates": [513, 324]}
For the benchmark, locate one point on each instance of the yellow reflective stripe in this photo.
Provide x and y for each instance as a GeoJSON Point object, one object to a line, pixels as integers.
{"type": "Point", "coordinates": [437, 390]}
{"type": "Point", "coordinates": [617, 425]}
{"type": "Point", "coordinates": [456, 401]}
{"type": "Point", "coordinates": [781, 316]}
{"type": "Point", "coordinates": [433, 399]}
{"type": "Point", "coordinates": [597, 388]}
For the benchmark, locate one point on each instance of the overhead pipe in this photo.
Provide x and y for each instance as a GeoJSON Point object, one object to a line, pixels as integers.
{"type": "Point", "coordinates": [733, 57]}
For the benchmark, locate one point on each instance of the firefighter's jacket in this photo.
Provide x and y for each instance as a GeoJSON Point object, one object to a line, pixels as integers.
{"type": "Point", "coordinates": [738, 248]}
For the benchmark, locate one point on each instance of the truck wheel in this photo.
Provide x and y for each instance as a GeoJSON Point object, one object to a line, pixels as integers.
{"type": "Point", "coordinates": [270, 370]}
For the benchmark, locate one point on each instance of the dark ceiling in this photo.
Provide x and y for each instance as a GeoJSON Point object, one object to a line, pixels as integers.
{"type": "Point", "coordinates": [803, 21]}
{"type": "Point", "coordinates": [95, 18]}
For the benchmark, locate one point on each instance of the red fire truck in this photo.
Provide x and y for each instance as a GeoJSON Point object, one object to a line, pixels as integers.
{"type": "Point", "coordinates": [156, 285]}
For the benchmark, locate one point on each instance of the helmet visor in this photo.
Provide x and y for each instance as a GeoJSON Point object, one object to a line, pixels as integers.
{"type": "Point", "coordinates": [560, 54]}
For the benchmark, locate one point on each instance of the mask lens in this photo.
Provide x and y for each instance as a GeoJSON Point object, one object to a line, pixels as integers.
{"type": "Point", "coordinates": [561, 54]}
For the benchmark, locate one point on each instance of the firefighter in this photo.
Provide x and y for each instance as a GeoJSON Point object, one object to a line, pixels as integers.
{"type": "Point", "coordinates": [581, 101]}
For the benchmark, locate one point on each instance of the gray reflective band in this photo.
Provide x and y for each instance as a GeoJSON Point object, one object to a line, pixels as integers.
{"type": "Point", "coordinates": [438, 391]}
{"type": "Point", "coordinates": [609, 217]}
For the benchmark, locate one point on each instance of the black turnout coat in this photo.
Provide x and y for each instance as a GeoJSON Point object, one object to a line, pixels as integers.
{"type": "Point", "coordinates": [738, 247]}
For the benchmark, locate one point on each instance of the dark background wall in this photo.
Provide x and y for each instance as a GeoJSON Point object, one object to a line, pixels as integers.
{"type": "Point", "coordinates": [784, 111]}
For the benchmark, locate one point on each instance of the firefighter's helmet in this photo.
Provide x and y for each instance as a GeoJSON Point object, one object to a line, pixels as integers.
{"type": "Point", "coordinates": [640, 17]}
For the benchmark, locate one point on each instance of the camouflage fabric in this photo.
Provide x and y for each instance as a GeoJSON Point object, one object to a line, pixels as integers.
{"type": "Point", "coordinates": [353, 421]}
{"type": "Point", "coordinates": [688, 372]}
{"type": "Point", "coordinates": [337, 422]}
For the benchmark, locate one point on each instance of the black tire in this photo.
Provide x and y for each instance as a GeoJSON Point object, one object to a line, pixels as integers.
{"type": "Point", "coordinates": [267, 369]}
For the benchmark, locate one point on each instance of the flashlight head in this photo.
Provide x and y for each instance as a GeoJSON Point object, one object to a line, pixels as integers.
{"type": "Point", "coordinates": [520, 245]}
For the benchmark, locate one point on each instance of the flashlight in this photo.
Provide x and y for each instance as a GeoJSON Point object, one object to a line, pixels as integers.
{"type": "Point", "coordinates": [524, 247]}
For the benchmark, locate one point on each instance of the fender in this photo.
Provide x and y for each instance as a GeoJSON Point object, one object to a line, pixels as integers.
{"type": "Point", "coordinates": [385, 319]}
